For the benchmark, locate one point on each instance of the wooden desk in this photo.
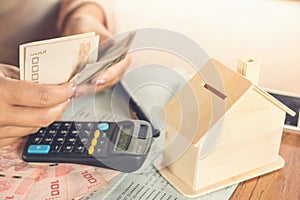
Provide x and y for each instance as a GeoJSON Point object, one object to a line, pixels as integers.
{"type": "Point", "coordinates": [281, 184]}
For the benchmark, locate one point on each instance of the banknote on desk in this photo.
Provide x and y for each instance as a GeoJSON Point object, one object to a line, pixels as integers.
{"type": "Point", "coordinates": [27, 181]}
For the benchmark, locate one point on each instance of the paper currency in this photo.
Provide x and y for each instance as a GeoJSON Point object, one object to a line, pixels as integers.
{"type": "Point", "coordinates": [110, 53]}
{"type": "Point", "coordinates": [60, 60]}
{"type": "Point", "coordinates": [84, 182]}
{"type": "Point", "coordinates": [56, 61]}
{"type": "Point", "coordinates": [13, 188]}
{"type": "Point", "coordinates": [21, 180]}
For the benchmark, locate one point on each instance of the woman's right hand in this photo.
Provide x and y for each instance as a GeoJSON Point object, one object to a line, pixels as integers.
{"type": "Point", "coordinates": [27, 106]}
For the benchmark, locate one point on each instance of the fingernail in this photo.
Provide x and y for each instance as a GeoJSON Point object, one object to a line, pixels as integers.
{"type": "Point", "coordinates": [100, 82]}
{"type": "Point", "coordinates": [74, 88]}
{"type": "Point", "coordinates": [69, 100]}
{"type": "Point", "coordinates": [80, 93]}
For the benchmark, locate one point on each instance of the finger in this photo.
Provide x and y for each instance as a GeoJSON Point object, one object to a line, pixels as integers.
{"type": "Point", "coordinates": [10, 71]}
{"type": "Point", "coordinates": [33, 117]}
{"type": "Point", "coordinates": [23, 93]}
{"type": "Point", "coordinates": [16, 131]}
{"type": "Point", "coordinates": [112, 74]}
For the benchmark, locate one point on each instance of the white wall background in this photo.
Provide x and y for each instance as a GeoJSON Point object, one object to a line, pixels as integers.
{"type": "Point", "coordinates": [268, 30]}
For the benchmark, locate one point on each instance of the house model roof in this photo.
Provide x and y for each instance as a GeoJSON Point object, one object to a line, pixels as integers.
{"type": "Point", "coordinates": [207, 97]}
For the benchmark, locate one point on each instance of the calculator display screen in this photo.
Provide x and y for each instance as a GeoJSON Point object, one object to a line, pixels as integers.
{"type": "Point", "coordinates": [124, 138]}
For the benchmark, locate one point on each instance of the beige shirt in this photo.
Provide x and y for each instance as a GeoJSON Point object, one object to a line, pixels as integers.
{"type": "Point", "coordinates": [67, 6]}
{"type": "Point", "coordinates": [37, 20]}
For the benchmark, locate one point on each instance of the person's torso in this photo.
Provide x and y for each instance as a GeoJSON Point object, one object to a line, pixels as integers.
{"type": "Point", "coordinates": [24, 21]}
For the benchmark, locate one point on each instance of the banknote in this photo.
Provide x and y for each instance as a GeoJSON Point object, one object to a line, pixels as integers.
{"type": "Point", "coordinates": [57, 60]}
{"type": "Point", "coordinates": [11, 163]}
{"type": "Point", "coordinates": [13, 188]}
{"type": "Point", "coordinates": [76, 58]}
{"type": "Point", "coordinates": [83, 182]}
{"type": "Point", "coordinates": [49, 186]}
{"type": "Point", "coordinates": [22, 180]}
{"type": "Point", "coordinates": [111, 51]}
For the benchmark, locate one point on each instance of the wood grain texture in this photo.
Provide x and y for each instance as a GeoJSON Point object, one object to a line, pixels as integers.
{"type": "Point", "coordinates": [283, 184]}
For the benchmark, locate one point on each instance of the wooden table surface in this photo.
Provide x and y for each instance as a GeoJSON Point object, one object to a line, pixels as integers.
{"type": "Point", "coordinates": [281, 184]}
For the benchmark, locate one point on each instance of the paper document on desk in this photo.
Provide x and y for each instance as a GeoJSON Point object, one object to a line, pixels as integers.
{"type": "Point", "coordinates": [150, 185]}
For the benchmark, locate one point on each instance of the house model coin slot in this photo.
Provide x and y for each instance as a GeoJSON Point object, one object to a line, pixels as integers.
{"type": "Point", "coordinates": [213, 90]}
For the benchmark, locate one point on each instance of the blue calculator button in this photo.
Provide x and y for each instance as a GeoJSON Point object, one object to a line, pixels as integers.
{"type": "Point", "coordinates": [38, 149]}
{"type": "Point", "coordinates": [103, 126]}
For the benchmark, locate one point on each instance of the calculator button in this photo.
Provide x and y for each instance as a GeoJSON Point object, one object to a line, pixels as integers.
{"type": "Point", "coordinates": [47, 140]}
{"type": "Point", "coordinates": [101, 142]}
{"type": "Point", "coordinates": [63, 133]}
{"type": "Point", "coordinates": [59, 140]}
{"type": "Point", "coordinates": [71, 140]}
{"type": "Point", "coordinates": [94, 142]}
{"type": "Point", "coordinates": [103, 135]}
{"type": "Point", "coordinates": [99, 152]}
{"type": "Point", "coordinates": [78, 125]}
{"type": "Point", "coordinates": [51, 133]}
{"type": "Point", "coordinates": [79, 149]}
{"type": "Point", "coordinates": [41, 132]}
{"type": "Point", "coordinates": [54, 125]}
{"type": "Point", "coordinates": [74, 133]}
{"type": "Point", "coordinates": [38, 149]}
{"type": "Point", "coordinates": [36, 140]}
{"type": "Point", "coordinates": [91, 150]}
{"type": "Point", "coordinates": [97, 134]}
{"type": "Point", "coordinates": [66, 125]}
{"type": "Point", "coordinates": [89, 125]}
{"type": "Point", "coordinates": [103, 126]}
{"type": "Point", "coordinates": [55, 148]}
{"type": "Point", "coordinates": [86, 133]}
{"type": "Point", "coordinates": [68, 148]}
{"type": "Point", "coordinates": [84, 141]}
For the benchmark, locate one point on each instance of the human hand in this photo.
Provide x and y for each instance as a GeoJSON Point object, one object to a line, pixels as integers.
{"type": "Point", "coordinates": [90, 18]}
{"type": "Point", "coordinates": [27, 106]}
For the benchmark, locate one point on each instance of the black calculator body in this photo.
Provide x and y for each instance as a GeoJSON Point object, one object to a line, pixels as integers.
{"type": "Point", "coordinates": [122, 146]}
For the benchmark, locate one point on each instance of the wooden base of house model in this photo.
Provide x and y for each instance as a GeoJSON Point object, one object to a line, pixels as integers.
{"type": "Point", "coordinates": [188, 192]}
{"type": "Point", "coordinates": [237, 141]}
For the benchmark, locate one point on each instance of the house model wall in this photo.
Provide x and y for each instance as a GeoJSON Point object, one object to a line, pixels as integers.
{"type": "Point", "coordinates": [226, 130]}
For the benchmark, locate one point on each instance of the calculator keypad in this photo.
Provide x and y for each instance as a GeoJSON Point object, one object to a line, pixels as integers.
{"type": "Point", "coordinates": [123, 146]}
{"type": "Point", "coordinates": [85, 138]}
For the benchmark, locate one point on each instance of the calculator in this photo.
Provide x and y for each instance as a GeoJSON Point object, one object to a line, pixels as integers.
{"type": "Point", "coordinates": [122, 146]}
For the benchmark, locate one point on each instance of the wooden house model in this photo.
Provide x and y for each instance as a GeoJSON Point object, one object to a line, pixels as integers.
{"type": "Point", "coordinates": [221, 129]}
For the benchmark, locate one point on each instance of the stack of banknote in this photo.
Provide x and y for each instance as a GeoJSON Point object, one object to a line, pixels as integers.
{"type": "Point", "coordinates": [78, 58]}
{"type": "Point", "coordinates": [56, 61]}
{"type": "Point", "coordinates": [21, 180]}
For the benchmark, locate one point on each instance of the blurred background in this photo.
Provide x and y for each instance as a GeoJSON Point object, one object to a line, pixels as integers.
{"type": "Point", "coordinates": [268, 30]}
{"type": "Point", "coordinates": [228, 30]}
